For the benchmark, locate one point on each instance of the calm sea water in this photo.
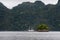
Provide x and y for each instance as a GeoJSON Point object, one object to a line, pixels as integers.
{"type": "Point", "coordinates": [29, 35]}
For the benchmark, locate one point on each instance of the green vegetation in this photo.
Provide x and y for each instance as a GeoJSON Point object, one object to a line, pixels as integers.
{"type": "Point", "coordinates": [42, 27]}
{"type": "Point", "coordinates": [28, 14]}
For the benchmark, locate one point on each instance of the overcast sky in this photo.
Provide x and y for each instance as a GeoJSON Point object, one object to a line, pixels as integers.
{"type": "Point", "coordinates": [12, 3]}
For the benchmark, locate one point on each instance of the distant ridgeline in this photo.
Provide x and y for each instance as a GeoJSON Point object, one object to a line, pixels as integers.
{"type": "Point", "coordinates": [28, 14]}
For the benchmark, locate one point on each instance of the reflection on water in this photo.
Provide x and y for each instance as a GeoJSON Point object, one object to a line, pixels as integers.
{"type": "Point", "coordinates": [29, 35]}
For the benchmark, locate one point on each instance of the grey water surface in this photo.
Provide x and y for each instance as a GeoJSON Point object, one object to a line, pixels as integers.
{"type": "Point", "coordinates": [29, 35]}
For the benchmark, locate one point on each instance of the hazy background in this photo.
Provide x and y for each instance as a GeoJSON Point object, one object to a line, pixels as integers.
{"type": "Point", "coordinates": [12, 3]}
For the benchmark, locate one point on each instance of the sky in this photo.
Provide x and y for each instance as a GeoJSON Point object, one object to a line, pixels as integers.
{"type": "Point", "coordinates": [11, 3]}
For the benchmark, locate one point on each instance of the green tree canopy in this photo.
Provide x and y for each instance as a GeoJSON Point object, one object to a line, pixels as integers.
{"type": "Point", "coordinates": [42, 26]}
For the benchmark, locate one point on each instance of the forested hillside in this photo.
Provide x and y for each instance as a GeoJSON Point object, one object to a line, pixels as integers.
{"type": "Point", "coordinates": [28, 14]}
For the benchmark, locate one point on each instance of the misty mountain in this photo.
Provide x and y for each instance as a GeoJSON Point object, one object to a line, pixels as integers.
{"type": "Point", "coordinates": [28, 14]}
{"type": "Point", "coordinates": [4, 12]}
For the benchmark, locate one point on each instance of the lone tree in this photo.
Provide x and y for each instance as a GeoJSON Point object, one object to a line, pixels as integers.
{"type": "Point", "coordinates": [42, 28]}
